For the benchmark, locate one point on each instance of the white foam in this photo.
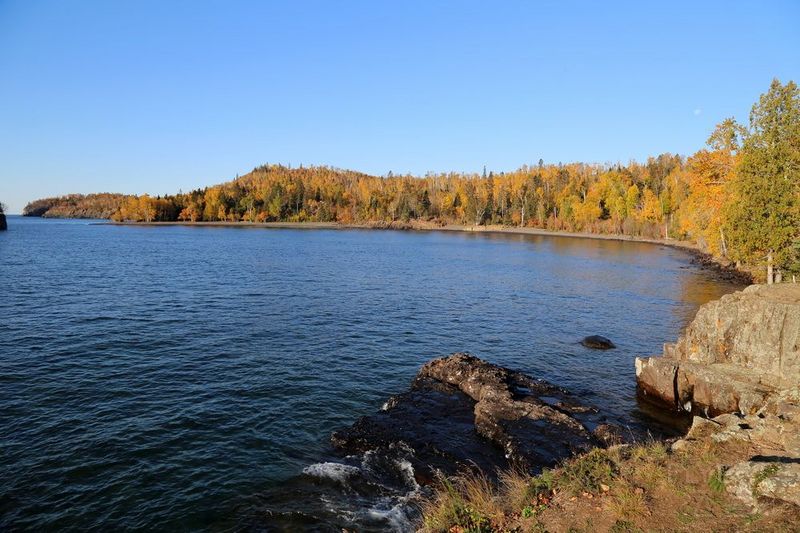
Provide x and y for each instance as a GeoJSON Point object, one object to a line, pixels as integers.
{"type": "Point", "coordinates": [407, 470]}
{"type": "Point", "coordinates": [395, 517]}
{"type": "Point", "coordinates": [394, 511]}
{"type": "Point", "coordinates": [335, 471]}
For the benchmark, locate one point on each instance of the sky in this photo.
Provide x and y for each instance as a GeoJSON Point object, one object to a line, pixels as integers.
{"type": "Point", "coordinates": [155, 97]}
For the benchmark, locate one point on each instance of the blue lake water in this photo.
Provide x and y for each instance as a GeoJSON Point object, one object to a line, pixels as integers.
{"type": "Point", "coordinates": [165, 377]}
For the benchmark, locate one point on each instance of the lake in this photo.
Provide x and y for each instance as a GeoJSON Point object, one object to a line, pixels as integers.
{"type": "Point", "coordinates": [174, 377]}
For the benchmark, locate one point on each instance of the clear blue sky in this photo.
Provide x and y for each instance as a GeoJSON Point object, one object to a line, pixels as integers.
{"type": "Point", "coordinates": [156, 96]}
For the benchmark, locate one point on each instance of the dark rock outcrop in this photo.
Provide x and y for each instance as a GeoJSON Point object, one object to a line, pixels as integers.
{"type": "Point", "coordinates": [3, 223]}
{"type": "Point", "coordinates": [738, 352]}
{"type": "Point", "coordinates": [464, 412]}
{"type": "Point", "coordinates": [598, 342]}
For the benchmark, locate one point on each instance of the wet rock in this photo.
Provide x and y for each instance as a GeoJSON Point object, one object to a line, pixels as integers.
{"type": "Point", "coordinates": [464, 412]}
{"type": "Point", "coordinates": [433, 419]}
{"type": "Point", "coordinates": [598, 342]}
{"type": "Point", "coordinates": [737, 353]}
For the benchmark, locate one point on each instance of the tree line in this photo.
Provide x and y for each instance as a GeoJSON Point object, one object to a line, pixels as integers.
{"type": "Point", "coordinates": [738, 198]}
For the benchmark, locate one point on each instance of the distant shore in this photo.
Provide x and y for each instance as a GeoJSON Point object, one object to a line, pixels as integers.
{"type": "Point", "coordinates": [422, 226]}
{"type": "Point", "coordinates": [726, 271]}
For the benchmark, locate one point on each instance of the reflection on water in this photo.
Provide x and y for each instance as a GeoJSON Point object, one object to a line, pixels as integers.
{"type": "Point", "coordinates": [165, 377]}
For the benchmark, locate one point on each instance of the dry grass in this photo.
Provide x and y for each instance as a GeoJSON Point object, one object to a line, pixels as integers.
{"type": "Point", "coordinates": [630, 488]}
{"type": "Point", "coordinates": [468, 503]}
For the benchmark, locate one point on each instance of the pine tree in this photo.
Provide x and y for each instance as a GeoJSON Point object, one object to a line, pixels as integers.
{"type": "Point", "coordinates": [763, 213]}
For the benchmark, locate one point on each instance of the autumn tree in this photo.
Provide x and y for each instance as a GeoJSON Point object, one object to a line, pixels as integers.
{"type": "Point", "coordinates": [708, 178]}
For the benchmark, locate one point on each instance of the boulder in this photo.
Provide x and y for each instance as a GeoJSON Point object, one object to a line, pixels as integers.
{"type": "Point", "coordinates": [737, 353]}
{"type": "Point", "coordinates": [597, 342]}
{"type": "Point", "coordinates": [771, 472]}
{"type": "Point", "coordinates": [774, 479]}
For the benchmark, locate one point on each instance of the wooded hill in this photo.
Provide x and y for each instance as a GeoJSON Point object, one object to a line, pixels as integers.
{"type": "Point", "coordinates": [738, 198]}
{"type": "Point", "coordinates": [102, 205]}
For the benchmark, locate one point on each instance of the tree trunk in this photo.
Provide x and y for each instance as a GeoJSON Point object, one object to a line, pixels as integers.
{"type": "Point", "coordinates": [722, 241]}
{"type": "Point", "coordinates": [769, 268]}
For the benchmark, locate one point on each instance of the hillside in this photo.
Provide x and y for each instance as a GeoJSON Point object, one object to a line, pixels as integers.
{"type": "Point", "coordinates": [738, 198]}
{"type": "Point", "coordinates": [102, 205]}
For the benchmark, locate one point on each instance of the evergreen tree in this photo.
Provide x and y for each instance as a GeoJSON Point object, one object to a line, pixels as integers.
{"type": "Point", "coordinates": [763, 213]}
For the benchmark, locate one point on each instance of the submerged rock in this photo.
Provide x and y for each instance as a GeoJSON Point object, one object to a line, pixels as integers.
{"type": "Point", "coordinates": [598, 342]}
{"type": "Point", "coordinates": [462, 412]}
{"type": "Point", "coordinates": [737, 353]}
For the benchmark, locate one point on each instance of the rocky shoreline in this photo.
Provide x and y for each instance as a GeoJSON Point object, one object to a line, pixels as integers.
{"type": "Point", "coordinates": [737, 353]}
{"type": "Point", "coordinates": [736, 369]}
{"type": "Point", "coordinates": [462, 412]}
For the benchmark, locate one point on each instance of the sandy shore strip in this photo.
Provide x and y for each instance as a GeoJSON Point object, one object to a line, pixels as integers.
{"type": "Point", "coordinates": [420, 226]}
{"type": "Point", "coordinates": [726, 271]}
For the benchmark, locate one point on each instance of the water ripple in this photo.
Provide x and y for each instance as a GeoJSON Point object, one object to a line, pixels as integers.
{"type": "Point", "coordinates": [164, 379]}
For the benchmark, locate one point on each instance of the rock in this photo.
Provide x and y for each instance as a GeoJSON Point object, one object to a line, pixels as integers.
{"type": "Point", "coordinates": [738, 362]}
{"type": "Point", "coordinates": [737, 353]}
{"type": "Point", "coordinates": [655, 377]}
{"type": "Point", "coordinates": [3, 223]}
{"type": "Point", "coordinates": [609, 435]}
{"type": "Point", "coordinates": [775, 479]}
{"type": "Point", "coordinates": [597, 342]}
{"type": "Point", "coordinates": [435, 420]}
{"type": "Point", "coordinates": [680, 445]}
{"type": "Point", "coordinates": [463, 412]}
{"type": "Point", "coordinates": [702, 427]}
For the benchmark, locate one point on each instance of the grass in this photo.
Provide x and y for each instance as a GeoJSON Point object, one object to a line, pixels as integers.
{"type": "Point", "coordinates": [464, 504]}
{"type": "Point", "coordinates": [765, 474]}
{"type": "Point", "coordinates": [644, 487]}
{"type": "Point", "coordinates": [588, 473]}
{"type": "Point", "coordinates": [716, 481]}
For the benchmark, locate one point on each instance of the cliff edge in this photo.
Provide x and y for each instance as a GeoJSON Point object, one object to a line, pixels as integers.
{"type": "Point", "coordinates": [738, 353]}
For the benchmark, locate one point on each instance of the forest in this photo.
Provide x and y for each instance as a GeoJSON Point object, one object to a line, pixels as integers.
{"type": "Point", "coordinates": [101, 205]}
{"type": "Point", "coordinates": [738, 197]}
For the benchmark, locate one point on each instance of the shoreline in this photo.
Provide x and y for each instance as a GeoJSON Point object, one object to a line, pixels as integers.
{"type": "Point", "coordinates": [728, 272]}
